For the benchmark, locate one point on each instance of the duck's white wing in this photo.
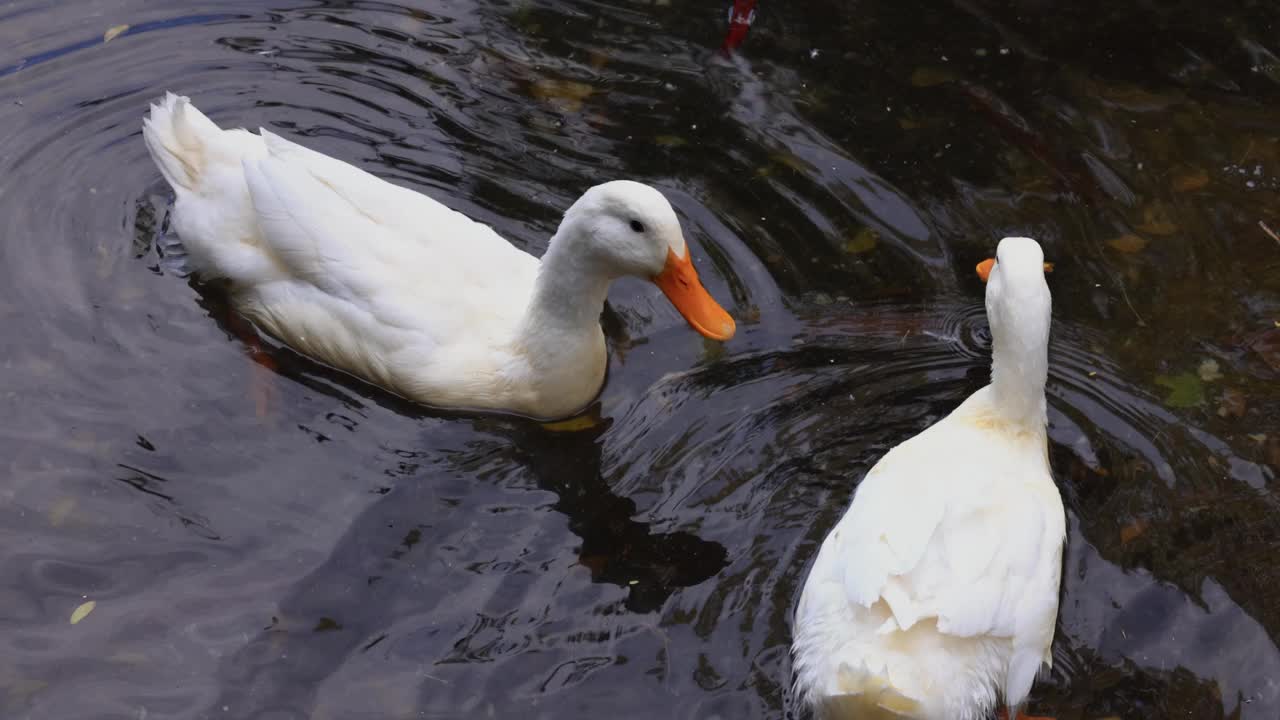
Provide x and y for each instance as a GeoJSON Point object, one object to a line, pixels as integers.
{"type": "Point", "coordinates": [396, 252]}
{"type": "Point", "coordinates": [464, 252]}
{"type": "Point", "coordinates": [980, 555]}
{"type": "Point", "coordinates": [404, 210]}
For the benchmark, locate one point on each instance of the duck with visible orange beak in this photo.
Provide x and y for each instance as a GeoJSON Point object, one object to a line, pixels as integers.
{"type": "Point", "coordinates": [617, 229]}
{"type": "Point", "coordinates": [985, 267]}
{"type": "Point", "coordinates": [935, 597]}
{"type": "Point", "coordinates": [395, 288]}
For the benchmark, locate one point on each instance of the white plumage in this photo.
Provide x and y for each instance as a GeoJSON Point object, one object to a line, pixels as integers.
{"type": "Point", "coordinates": [936, 595]}
{"type": "Point", "coordinates": [395, 288]}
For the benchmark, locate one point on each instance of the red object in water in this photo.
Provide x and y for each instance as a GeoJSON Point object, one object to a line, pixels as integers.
{"type": "Point", "coordinates": [741, 15]}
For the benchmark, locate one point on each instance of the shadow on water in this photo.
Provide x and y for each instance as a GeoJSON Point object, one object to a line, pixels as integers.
{"type": "Point", "coordinates": [264, 535]}
{"type": "Point", "coordinates": [408, 554]}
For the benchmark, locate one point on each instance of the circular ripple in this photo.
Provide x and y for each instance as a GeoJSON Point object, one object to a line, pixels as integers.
{"type": "Point", "coordinates": [965, 329]}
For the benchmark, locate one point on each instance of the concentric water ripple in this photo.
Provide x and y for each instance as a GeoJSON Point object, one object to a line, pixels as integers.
{"type": "Point", "coordinates": [336, 552]}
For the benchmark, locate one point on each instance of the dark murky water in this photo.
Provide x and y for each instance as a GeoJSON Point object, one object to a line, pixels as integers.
{"type": "Point", "coordinates": [345, 555]}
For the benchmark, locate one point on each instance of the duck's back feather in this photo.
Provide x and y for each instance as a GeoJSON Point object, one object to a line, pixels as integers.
{"type": "Point", "coordinates": [334, 260]}
{"type": "Point", "coordinates": [943, 573]}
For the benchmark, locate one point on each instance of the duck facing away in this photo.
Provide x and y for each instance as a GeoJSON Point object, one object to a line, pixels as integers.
{"type": "Point", "coordinates": [399, 290]}
{"type": "Point", "coordinates": [936, 595]}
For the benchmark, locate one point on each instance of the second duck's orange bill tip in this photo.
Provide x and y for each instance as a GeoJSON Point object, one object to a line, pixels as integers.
{"type": "Point", "coordinates": [679, 282]}
{"type": "Point", "coordinates": [984, 268]}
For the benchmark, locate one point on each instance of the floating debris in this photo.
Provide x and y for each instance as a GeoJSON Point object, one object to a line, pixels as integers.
{"type": "Point", "coordinates": [83, 611]}
{"type": "Point", "coordinates": [1128, 243]}
{"type": "Point", "coordinates": [1185, 390]}
{"type": "Point", "coordinates": [1190, 180]}
{"type": "Point", "coordinates": [113, 32]}
{"type": "Point", "coordinates": [1209, 371]}
{"type": "Point", "coordinates": [864, 241]}
{"type": "Point", "coordinates": [1270, 232]}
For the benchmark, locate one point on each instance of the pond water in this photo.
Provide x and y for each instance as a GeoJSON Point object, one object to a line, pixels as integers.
{"type": "Point", "coordinates": [333, 552]}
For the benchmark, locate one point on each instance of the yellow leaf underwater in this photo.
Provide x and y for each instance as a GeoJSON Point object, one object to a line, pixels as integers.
{"type": "Point", "coordinates": [113, 32]}
{"type": "Point", "coordinates": [597, 57]}
{"type": "Point", "coordinates": [573, 424]}
{"type": "Point", "coordinates": [1133, 531]}
{"type": "Point", "coordinates": [930, 76]}
{"type": "Point", "coordinates": [61, 510]}
{"type": "Point", "coordinates": [864, 241]}
{"type": "Point", "coordinates": [1190, 180]}
{"type": "Point", "coordinates": [792, 161]}
{"type": "Point", "coordinates": [1128, 243]}
{"type": "Point", "coordinates": [1157, 220]}
{"type": "Point", "coordinates": [83, 611]}
{"type": "Point", "coordinates": [566, 95]}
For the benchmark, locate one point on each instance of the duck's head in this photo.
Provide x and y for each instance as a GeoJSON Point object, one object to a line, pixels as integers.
{"type": "Point", "coordinates": [1018, 299]}
{"type": "Point", "coordinates": [1019, 307]}
{"type": "Point", "coordinates": [628, 228]}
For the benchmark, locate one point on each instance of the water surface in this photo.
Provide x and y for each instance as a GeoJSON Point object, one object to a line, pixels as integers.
{"type": "Point", "coordinates": [338, 553]}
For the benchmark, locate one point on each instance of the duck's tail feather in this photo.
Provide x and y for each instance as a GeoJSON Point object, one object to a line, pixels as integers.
{"type": "Point", "coordinates": [178, 135]}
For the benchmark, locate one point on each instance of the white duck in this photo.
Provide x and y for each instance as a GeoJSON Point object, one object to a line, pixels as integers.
{"type": "Point", "coordinates": [935, 596]}
{"type": "Point", "coordinates": [391, 286]}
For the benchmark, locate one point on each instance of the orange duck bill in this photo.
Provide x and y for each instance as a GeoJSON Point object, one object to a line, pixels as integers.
{"type": "Point", "coordinates": [985, 267]}
{"type": "Point", "coordinates": [679, 282]}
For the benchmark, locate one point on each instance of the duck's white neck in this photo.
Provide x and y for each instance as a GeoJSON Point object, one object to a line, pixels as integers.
{"type": "Point", "coordinates": [1020, 368]}
{"type": "Point", "coordinates": [562, 321]}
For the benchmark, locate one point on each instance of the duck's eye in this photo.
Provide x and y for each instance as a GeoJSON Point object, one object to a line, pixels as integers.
{"type": "Point", "coordinates": [637, 226]}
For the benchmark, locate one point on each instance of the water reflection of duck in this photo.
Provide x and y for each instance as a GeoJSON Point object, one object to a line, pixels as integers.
{"type": "Point", "coordinates": [395, 288]}
{"type": "Point", "coordinates": [936, 595]}
{"type": "Point", "coordinates": [438, 567]}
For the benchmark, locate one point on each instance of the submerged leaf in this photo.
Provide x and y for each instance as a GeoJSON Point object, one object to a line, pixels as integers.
{"type": "Point", "coordinates": [1267, 345]}
{"type": "Point", "coordinates": [83, 611]}
{"type": "Point", "coordinates": [20, 689]}
{"type": "Point", "coordinates": [864, 241]}
{"type": "Point", "coordinates": [1189, 180]}
{"type": "Point", "coordinates": [567, 95]}
{"type": "Point", "coordinates": [597, 57]}
{"type": "Point", "coordinates": [1233, 404]}
{"type": "Point", "coordinates": [113, 32]}
{"type": "Point", "coordinates": [1157, 219]}
{"type": "Point", "coordinates": [930, 76]}
{"type": "Point", "coordinates": [1128, 243]}
{"type": "Point", "coordinates": [1133, 530]}
{"type": "Point", "coordinates": [1185, 389]}
{"type": "Point", "coordinates": [573, 424]}
{"type": "Point", "coordinates": [61, 510]}
{"type": "Point", "coordinates": [791, 161]}
{"type": "Point", "coordinates": [1135, 98]}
